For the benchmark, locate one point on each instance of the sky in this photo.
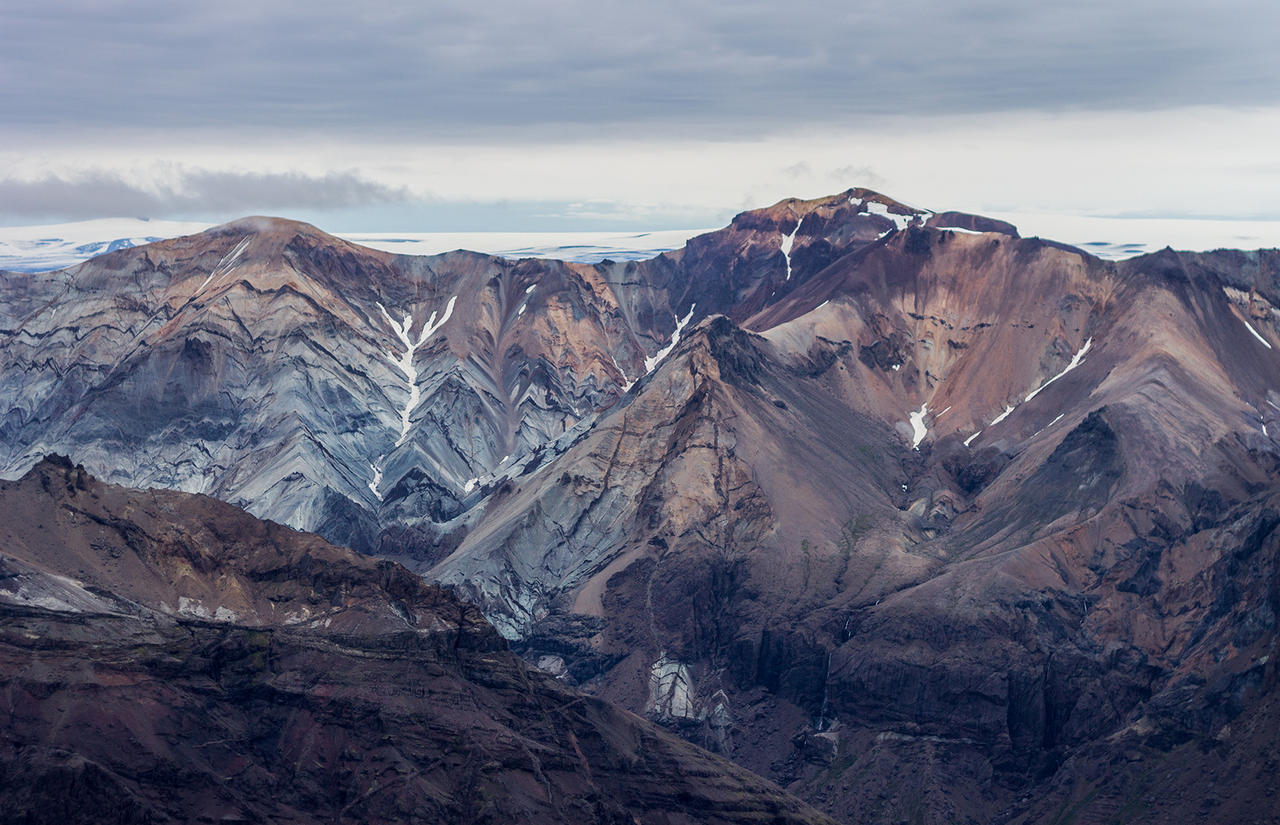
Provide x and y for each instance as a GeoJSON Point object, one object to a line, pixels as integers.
{"type": "Point", "coordinates": [569, 114]}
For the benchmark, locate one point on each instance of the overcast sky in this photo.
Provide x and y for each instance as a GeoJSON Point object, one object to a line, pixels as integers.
{"type": "Point", "coordinates": [599, 114]}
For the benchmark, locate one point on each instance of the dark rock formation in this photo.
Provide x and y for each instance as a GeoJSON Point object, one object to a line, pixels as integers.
{"type": "Point", "coordinates": [167, 658]}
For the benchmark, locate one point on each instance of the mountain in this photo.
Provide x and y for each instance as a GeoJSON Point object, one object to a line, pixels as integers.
{"type": "Point", "coordinates": [1078, 555]}
{"type": "Point", "coordinates": [309, 379]}
{"type": "Point", "coordinates": [48, 247]}
{"type": "Point", "coordinates": [55, 246]}
{"type": "Point", "coordinates": [924, 520]}
{"type": "Point", "coordinates": [167, 657]}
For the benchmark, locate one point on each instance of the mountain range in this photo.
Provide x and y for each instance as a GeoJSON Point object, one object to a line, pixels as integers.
{"type": "Point", "coordinates": [48, 247]}
{"type": "Point", "coordinates": [43, 248]}
{"type": "Point", "coordinates": [917, 518]}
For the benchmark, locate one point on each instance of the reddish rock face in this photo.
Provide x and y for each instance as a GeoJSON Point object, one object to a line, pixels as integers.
{"type": "Point", "coordinates": [924, 520]}
{"type": "Point", "coordinates": [166, 657]}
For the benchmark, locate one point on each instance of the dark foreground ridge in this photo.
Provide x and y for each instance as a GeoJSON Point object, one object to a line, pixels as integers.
{"type": "Point", "coordinates": [167, 658]}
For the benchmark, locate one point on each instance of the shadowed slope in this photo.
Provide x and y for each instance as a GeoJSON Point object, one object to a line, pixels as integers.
{"type": "Point", "coordinates": [167, 657]}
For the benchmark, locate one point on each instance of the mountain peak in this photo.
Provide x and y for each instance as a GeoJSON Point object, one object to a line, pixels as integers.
{"type": "Point", "coordinates": [855, 200]}
{"type": "Point", "coordinates": [268, 225]}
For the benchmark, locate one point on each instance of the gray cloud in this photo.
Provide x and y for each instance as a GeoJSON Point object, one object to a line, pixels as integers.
{"type": "Point", "coordinates": [864, 175]}
{"type": "Point", "coordinates": [798, 170]}
{"type": "Point", "coordinates": [508, 68]}
{"type": "Point", "coordinates": [191, 192]}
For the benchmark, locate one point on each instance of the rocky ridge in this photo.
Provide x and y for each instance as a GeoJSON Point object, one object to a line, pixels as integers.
{"type": "Point", "coordinates": [168, 658]}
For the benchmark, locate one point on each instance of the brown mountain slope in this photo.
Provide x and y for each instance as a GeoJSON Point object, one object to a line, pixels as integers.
{"type": "Point", "coordinates": [166, 657]}
{"type": "Point", "coordinates": [749, 548]}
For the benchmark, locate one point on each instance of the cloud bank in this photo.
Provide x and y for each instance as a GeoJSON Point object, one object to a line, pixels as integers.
{"type": "Point", "coordinates": [189, 192]}
{"type": "Point", "coordinates": [599, 112]}
{"type": "Point", "coordinates": [499, 69]}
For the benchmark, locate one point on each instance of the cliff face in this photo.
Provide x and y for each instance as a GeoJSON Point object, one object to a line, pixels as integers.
{"type": "Point", "coordinates": [924, 520]}
{"type": "Point", "coordinates": [167, 657]}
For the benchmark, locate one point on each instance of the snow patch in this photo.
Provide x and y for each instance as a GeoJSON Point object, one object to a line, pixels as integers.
{"type": "Point", "coordinates": [670, 689]}
{"type": "Point", "coordinates": [650, 363]}
{"type": "Point", "coordinates": [1002, 416]}
{"type": "Point", "coordinates": [1047, 426]}
{"type": "Point", "coordinates": [405, 361]}
{"type": "Point", "coordinates": [970, 439]}
{"type": "Point", "coordinates": [49, 603]}
{"type": "Point", "coordinates": [786, 246]}
{"type": "Point", "coordinates": [1075, 362]}
{"type": "Point", "coordinates": [470, 485]}
{"type": "Point", "coordinates": [225, 266]}
{"type": "Point", "coordinates": [1256, 334]}
{"type": "Point", "coordinates": [900, 222]}
{"type": "Point", "coordinates": [918, 429]}
{"type": "Point", "coordinates": [627, 383]}
{"type": "Point", "coordinates": [51, 592]}
{"type": "Point", "coordinates": [405, 365]}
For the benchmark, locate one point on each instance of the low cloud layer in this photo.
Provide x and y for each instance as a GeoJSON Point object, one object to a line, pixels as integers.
{"type": "Point", "coordinates": [192, 192]}
{"type": "Point", "coordinates": [497, 70]}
